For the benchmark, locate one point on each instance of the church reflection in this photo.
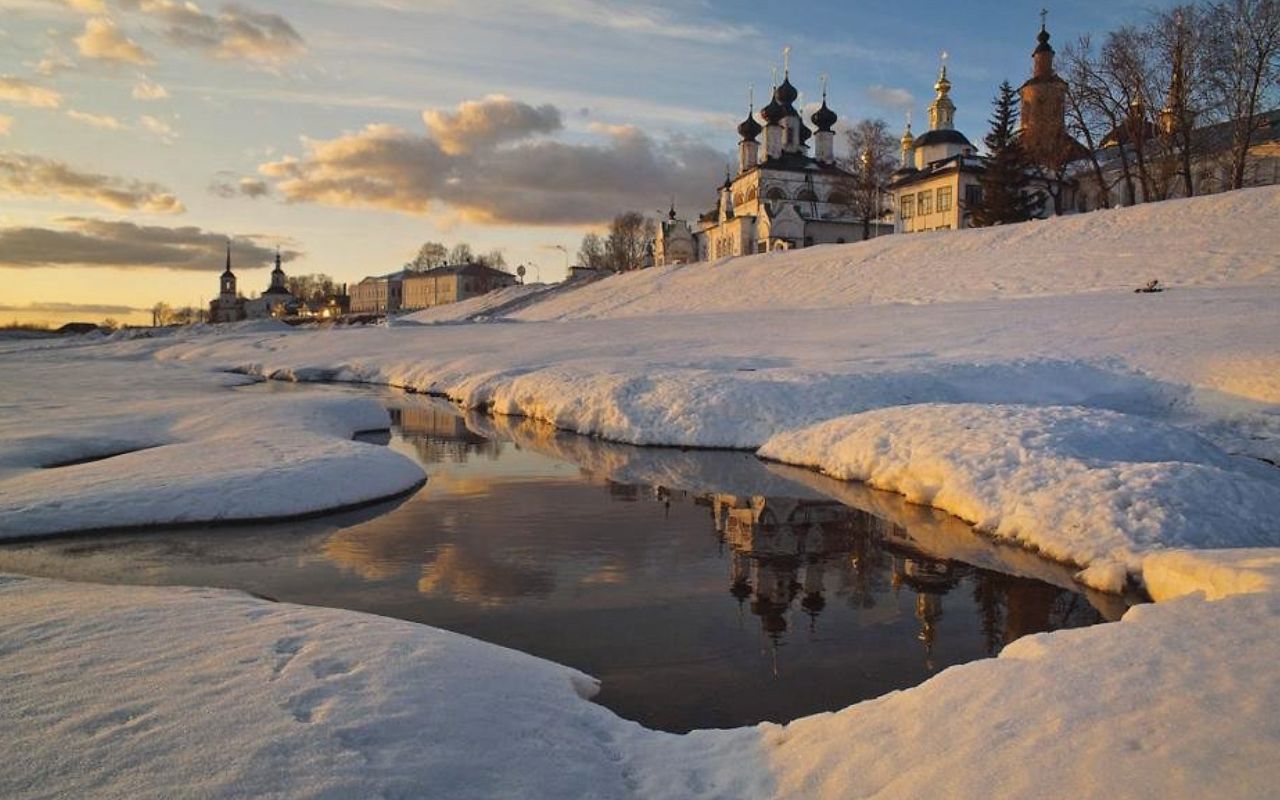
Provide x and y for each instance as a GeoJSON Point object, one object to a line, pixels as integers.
{"type": "Point", "coordinates": [790, 560]}
{"type": "Point", "coordinates": [789, 556]}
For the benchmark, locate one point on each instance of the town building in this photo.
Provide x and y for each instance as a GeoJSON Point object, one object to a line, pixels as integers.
{"type": "Point", "coordinates": [779, 197]}
{"type": "Point", "coordinates": [379, 294]}
{"type": "Point", "coordinates": [451, 284]}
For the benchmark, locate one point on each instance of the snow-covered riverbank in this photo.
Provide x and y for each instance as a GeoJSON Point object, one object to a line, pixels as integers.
{"type": "Point", "coordinates": [1010, 376]}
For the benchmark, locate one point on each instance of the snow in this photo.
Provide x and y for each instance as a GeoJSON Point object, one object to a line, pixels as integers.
{"type": "Point", "coordinates": [166, 446]}
{"type": "Point", "coordinates": [127, 692]}
{"type": "Point", "coordinates": [1010, 376]}
{"type": "Point", "coordinates": [1214, 573]}
{"type": "Point", "coordinates": [1083, 486]}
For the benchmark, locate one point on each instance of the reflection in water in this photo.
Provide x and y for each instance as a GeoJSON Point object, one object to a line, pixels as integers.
{"type": "Point", "coordinates": [705, 589]}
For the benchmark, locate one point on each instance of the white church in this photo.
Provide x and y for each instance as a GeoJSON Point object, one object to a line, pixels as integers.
{"type": "Point", "coordinates": [780, 198]}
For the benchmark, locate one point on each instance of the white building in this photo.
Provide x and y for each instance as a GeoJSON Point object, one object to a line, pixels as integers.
{"type": "Point", "coordinates": [780, 198]}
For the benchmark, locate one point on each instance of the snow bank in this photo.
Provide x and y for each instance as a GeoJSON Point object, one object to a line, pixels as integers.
{"type": "Point", "coordinates": [96, 442]}
{"type": "Point", "coordinates": [103, 685]}
{"type": "Point", "coordinates": [1085, 486]}
{"type": "Point", "coordinates": [1216, 573]}
{"type": "Point", "coordinates": [1116, 250]}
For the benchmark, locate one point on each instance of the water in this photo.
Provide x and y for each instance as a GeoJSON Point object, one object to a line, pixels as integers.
{"type": "Point", "coordinates": [705, 589]}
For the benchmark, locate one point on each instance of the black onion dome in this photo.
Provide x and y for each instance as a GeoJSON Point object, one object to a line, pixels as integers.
{"type": "Point", "coordinates": [749, 129]}
{"type": "Point", "coordinates": [1043, 39]}
{"type": "Point", "coordinates": [824, 118]}
{"type": "Point", "coordinates": [805, 133]}
{"type": "Point", "coordinates": [773, 113]}
{"type": "Point", "coordinates": [785, 94]}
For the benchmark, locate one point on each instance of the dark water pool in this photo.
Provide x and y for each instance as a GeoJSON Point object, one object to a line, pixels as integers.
{"type": "Point", "coordinates": [705, 589]}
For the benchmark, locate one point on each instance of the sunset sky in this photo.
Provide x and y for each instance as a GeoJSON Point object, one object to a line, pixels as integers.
{"type": "Point", "coordinates": [136, 135]}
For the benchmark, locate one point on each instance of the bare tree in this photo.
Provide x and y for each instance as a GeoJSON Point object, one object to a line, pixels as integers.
{"type": "Point", "coordinates": [431, 254]}
{"type": "Point", "coordinates": [461, 253]}
{"type": "Point", "coordinates": [872, 159]}
{"type": "Point", "coordinates": [592, 252]}
{"type": "Point", "coordinates": [1243, 68]}
{"type": "Point", "coordinates": [629, 235]}
{"type": "Point", "coordinates": [1084, 115]}
{"type": "Point", "coordinates": [311, 287]}
{"type": "Point", "coordinates": [493, 259]}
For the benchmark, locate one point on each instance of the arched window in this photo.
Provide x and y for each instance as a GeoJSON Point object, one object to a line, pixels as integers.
{"type": "Point", "coordinates": [775, 193]}
{"type": "Point", "coordinates": [838, 198]}
{"type": "Point", "coordinates": [807, 195]}
{"type": "Point", "coordinates": [751, 194]}
{"type": "Point", "coordinates": [738, 198]}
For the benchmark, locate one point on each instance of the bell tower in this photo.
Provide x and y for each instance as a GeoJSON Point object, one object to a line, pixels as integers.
{"type": "Point", "coordinates": [228, 284]}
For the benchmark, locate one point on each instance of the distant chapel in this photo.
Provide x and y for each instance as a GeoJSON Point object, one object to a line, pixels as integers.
{"type": "Point", "coordinates": [276, 301]}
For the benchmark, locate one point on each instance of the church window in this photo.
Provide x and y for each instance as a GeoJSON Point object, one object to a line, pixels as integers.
{"type": "Point", "coordinates": [738, 198]}
{"type": "Point", "coordinates": [924, 202]}
{"type": "Point", "coordinates": [944, 198]}
{"type": "Point", "coordinates": [775, 193]}
{"type": "Point", "coordinates": [751, 194]}
{"type": "Point", "coordinates": [838, 199]}
{"type": "Point", "coordinates": [807, 196]}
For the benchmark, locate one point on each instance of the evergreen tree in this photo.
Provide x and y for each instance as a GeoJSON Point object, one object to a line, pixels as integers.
{"type": "Point", "coordinates": [1006, 180]}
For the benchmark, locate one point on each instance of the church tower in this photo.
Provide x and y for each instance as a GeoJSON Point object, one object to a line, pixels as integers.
{"type": "Point", "coordinates": [942, 112]}
{"type": "Point", "coordinates": [228, 284]}
{"type": "Point", "coordinates": [1043, 129]}
{"type": "Point", "coordinates": [824, 119]}
{"type": "Point", "coordinates": [749, 148]}
{"type": "Point", "coordinates": [279, 283]}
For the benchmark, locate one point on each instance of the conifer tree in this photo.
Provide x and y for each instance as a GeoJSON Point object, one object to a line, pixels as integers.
{"type": "Point", "coordinates": [1005, 182]}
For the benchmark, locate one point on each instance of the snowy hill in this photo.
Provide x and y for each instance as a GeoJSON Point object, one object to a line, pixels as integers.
{"type": "Point", "coordinates": [1217, 240]}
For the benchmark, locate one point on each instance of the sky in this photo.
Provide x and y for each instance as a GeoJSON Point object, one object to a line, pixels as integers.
{"type": "Point", "coordinates": [137, 136]}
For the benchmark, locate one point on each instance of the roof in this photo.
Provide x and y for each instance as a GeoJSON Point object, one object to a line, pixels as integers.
{"type": "Point", "coordinates": [471, 269]}
{"type": "Point", "coordinates": [942, 136]}
{"type": "Point", "coordinates": [799, 162]}
{"type": "Point", "coordinates": [960, 163]}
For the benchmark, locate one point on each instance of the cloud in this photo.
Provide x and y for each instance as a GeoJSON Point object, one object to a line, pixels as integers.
{"type": "Point", "coordinates": [73, 308]}
{"type": "Point", "coordinates": [25, 93]}
{"type": "Point", "coordinates": [890, 97]}
{"type": "Point", "coordinates": [527, 180]}
{"type": "Point", "coordinates": [478, 124]}
{"type": "Point", "coordinates": [6, 124]}
{"type": "Point", "coordinates": [88, 6]}
{"type": "Point", "coordinates": [236, 33]}
{"type": "Point", "coordinates": [53, 64]}
{"type": "Point", "coordinates": [104, 243]}
{"type": "Point", "coordinates": [103, 41]}
{"type": "Point", "coordinates": [103, 121]}
{"type": "Point", "coordinates": [159, 128]}
{"type": "Point", "coordinates": [36, 176]}
{"type": "Point", "coordinates": [145, 89]}
{"type": "Point", "coordinates": [227, 185]}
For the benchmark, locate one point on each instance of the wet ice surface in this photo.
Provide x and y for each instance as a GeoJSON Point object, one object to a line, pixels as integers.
{"type": "Point", "coordinates": [705, 589]}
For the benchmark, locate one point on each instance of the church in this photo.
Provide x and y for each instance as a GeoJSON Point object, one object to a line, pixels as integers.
{"type": "Point", "coordinates": [940, 173]}
{"type": "Point", "coordinates": [779, 197]}
{"type": "Point", "coordinates": [276, 301]}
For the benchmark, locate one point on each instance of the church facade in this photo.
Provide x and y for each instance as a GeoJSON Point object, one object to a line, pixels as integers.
{"type": "Point", "coordinates": [779, 197]}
